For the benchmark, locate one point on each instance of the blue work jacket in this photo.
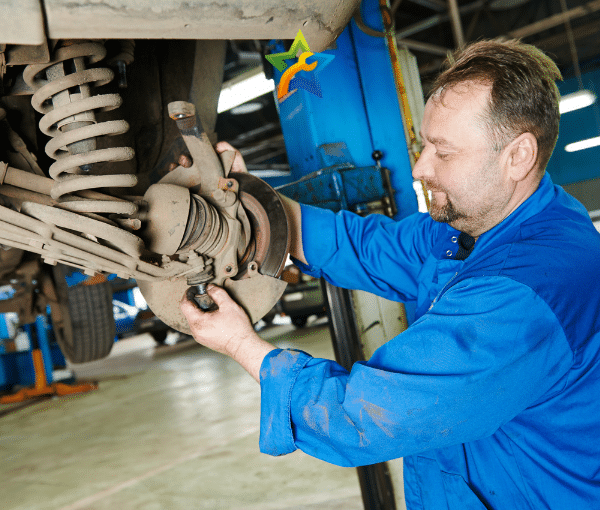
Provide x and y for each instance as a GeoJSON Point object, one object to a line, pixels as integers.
{"type": "Point", "coordinates": [492, 395]}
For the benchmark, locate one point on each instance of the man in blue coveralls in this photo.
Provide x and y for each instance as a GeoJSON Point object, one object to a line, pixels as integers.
{"type": "Point", "coordinates": [492, 394]}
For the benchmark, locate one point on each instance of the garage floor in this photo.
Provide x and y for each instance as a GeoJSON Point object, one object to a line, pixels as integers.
{"type": "Point", "coordinates": [174, 427]}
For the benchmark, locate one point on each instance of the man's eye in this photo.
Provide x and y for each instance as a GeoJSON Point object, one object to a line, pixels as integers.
{"type": "Point", "coordinates": [442, 155]}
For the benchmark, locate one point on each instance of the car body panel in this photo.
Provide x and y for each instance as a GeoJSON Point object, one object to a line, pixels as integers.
{"type": "Point", "coordinates": [321, 21]}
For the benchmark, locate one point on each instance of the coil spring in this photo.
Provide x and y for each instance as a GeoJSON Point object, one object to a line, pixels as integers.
{"type": "Point", "coordinates": [69, 119]}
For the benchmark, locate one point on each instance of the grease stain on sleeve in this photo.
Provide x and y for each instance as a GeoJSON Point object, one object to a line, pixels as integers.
{"type": "Point", "coordinates": [317, 418]}
{"type": "Point", "coordinates": [379, 416]}
{"type": "Point", "coordinates": [285, 360]}
{"type": "Point", "coordinates": [362, 437]}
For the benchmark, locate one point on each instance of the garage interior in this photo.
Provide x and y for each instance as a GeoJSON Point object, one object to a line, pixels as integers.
{"type": "Point", "coordinates": [173, 425]}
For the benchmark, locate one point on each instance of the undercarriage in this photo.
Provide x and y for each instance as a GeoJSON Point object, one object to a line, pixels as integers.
{"type": "Point", "coordinates": [89, 184]}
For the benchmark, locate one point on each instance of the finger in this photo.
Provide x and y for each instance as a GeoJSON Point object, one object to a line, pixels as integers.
{"type": "Point", "coordinates": [172, 167]}
{"type": "Point", "coordinates": [238, 162]}
{"type": "Point", "coordinates": [187, 306]}
{"type": "Point", "coordinates": [219, 295]}
{"type": "Point", "coordinates": [185, 161]}
{"type": "Point", "coordinates": [224, 146]}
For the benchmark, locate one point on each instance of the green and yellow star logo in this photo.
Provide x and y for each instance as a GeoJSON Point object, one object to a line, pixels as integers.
{"type": "Point", "coordinates": [289, 82]}
{"type": "Point", "coordinates": [278, 60]}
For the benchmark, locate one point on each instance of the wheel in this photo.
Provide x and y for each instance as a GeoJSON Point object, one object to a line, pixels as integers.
{"type": "Point", "coordinates": [160, 336]}
{"type": "Point", "coordinates": [299, 321]}
{"type": "Point", "coordinates": [84, 325]}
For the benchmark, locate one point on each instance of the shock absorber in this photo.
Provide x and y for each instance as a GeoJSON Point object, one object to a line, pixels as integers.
{"type": "Point", "coordinates": [63, 94]}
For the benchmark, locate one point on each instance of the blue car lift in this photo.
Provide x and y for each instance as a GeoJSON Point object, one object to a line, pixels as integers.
{"type": "Point", "coordinates": [348, 150]}
{"type": "Point", "coordinates": [18, 367]}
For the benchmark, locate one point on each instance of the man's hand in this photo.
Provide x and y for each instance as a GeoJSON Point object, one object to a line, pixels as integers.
{"type": "Point", "coordinates": [238, 163]}
{"type": "Point", "coordinates": [227, 330]}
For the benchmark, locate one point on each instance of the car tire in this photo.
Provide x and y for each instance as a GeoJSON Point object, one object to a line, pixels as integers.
{"type": "Point", "coordinates": [299, 321]}
{"type": "Point", "coordinates": [87, 329]}
{"type": "Point", "coordinates": [160, 336]}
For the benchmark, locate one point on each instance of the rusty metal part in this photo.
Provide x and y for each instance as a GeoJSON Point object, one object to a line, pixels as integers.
{"type": "Point", "coordinates": [19, 145]}
{"type": "Point", "coordinates": [268, 224]}
{"type": "Point", "coordinates": [198, 294]}
{"type": "Point", "coordinates": [2, 62]}
{"type": "Point", "coordinates": [210, 170]}
{"type": "Point", "coordinates": [70, 120]}
{"type": "Point", "coordinates": [321, 21]}
{"type": "Point", "coordinates": [206, 230]}
{"type": "Point", "coordinates": [40, 233]}
{"type": "Point", "coordinates": [256, 287]}
{"type": "Point", "coordinates": [22, 22]}
{"type": "Point", "coordinates": [26, 180]}
{"type": "Point", "coordinates": [20, 179]}
{"type": "Point", "coordinates": [168, 209]}
{"type": "Point", "coordinates": [23, 54]}
{"type": "Point", "coordinates": [256, 295]}
{"type": "Point", "coordinates": [236, 224]}
{"type": "Point", "coordinates": [213, 228]}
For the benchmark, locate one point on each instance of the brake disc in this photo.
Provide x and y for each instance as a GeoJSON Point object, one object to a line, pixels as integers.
{"type": "Point", "coordinates": [270, 236]}
{"type": "Point", "coordinates": [257, 286]}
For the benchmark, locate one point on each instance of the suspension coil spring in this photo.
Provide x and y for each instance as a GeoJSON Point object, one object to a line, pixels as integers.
{"type": "Point", "coordinates": [68, 106]}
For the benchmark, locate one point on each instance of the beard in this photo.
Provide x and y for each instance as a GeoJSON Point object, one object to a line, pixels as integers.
{"type": "Point", "coordinates": [445, 213]}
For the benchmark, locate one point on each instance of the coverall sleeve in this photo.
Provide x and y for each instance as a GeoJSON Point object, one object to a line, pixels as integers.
{"type": "Point", "coordinates": [488, 349]}
{"type": "Point", "coordinates": [374, 253]}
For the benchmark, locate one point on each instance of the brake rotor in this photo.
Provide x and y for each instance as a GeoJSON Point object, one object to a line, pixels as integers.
{"type": "Point", "coordinates": [269, 244]}
{"type": "Point", "coordinates": [257, 286]}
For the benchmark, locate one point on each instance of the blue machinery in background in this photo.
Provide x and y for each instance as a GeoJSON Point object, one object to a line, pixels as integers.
{"type": "Point", "coordinates": [357, 123]}
{"type": "Point", "coordinates": [17, 368]}
{"type": "Point", "coordinates": [31, 366]}
{"type": "Point", "coordinates": [34, 367]}
{"type": "Point", "coordinates": [347, 150]}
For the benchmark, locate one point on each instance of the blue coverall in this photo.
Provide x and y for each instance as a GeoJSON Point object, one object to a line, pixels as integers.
{"type": "Point", "coordinates": [492, 395]}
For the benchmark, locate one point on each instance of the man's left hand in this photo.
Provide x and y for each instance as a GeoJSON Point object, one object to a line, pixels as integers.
{"type": "Point", "coordinates": [227, 330]}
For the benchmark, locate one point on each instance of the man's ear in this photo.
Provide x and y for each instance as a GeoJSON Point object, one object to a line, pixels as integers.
{"type": "Point", "coordinates": [520, 156]}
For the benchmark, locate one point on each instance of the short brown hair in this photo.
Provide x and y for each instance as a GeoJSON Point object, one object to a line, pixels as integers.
{"type": "Point", "coordinates": [524, 96]}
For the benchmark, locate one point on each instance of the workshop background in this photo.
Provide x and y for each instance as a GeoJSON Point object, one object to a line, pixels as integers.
{"type": "Point", "coordinates": [162, 423]}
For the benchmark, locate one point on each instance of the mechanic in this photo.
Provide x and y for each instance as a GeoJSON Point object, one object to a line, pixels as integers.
{"type": "Point", "coordinates": [491, 395]}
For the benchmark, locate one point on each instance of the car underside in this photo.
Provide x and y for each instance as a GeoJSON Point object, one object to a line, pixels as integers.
{"type": "Point", "coordinates": [95, 107]}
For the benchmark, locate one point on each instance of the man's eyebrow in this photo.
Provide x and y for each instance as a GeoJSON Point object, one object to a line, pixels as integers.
{"type": "Point", "coordinates": [438, 141]}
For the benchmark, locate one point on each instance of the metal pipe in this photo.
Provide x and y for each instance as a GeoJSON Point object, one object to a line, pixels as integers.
{"type": "Point", "coordinates": [25, 180]}
{"type": "Point", "coordinates": [436, 19]}
{"type": "Point", "coordinates": [572, 45]}
{"type": "Point", "coordinates": [434, 49]}
{"type": "Point", "coordinates": [557, 19]}
{"type": "Point", "coordinates": [457, 30]}
{"type": "Point", "coordinates": [560, 39]}
{"type": "Point", "coordinates": [436, 5]}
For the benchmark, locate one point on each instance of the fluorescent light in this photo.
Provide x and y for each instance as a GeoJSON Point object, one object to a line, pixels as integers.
{"type": "Point", "coordinates": [583, 144]}
{"type": "Point", "coordinates": [245, 87]}
{"type": "Point", "coordinates": [576, 100]}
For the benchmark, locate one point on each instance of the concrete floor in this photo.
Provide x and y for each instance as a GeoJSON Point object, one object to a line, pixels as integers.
{"type": "Point", "coordinates": [174, 427]}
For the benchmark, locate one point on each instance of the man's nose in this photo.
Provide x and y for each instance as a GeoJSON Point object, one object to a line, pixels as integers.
{"type": "Point", "coordinates": [422, 169]}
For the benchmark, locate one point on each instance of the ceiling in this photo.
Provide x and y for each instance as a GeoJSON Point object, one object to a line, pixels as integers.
{"type": "Point", "coordinates": [568, 30]}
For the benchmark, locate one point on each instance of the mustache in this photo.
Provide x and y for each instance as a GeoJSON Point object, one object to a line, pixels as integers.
{"type": "Point", "coordinates": [433, 187]}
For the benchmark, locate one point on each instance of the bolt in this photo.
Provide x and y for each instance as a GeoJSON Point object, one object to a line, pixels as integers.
{"type": "Point", "coordinates": [229, 184]}
{"type": "Point", "coordinates": [228, 269]}
{"type": "Point", "coordinates": [122, 71]}
{"type": "Point", "coordinates": [377, 155]}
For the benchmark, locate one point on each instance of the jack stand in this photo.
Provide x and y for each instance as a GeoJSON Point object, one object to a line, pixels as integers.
{"type": "Point", "coordinates": [41, 387]}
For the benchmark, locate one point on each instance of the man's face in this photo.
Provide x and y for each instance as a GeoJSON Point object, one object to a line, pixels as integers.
{"type": "Point", "coordinates": [458, 163]}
